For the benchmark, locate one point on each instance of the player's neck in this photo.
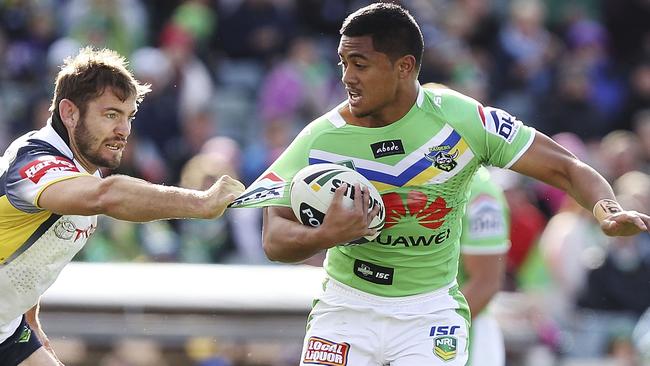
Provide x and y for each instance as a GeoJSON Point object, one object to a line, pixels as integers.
{"type": "Point", "coordinates": [83, 161]}
{"type": "Point", "coordinates": [389, 114]}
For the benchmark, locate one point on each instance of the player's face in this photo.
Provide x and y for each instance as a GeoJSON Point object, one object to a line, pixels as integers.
{"type": "Point", "coordinates": [369, 76]}
{"type": "Point", "coordinates": [102, 132]}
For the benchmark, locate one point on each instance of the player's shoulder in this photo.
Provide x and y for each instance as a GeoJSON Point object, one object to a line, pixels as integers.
{"type": "Point", "coordinates": [35, 149]}
{"type": "Point", "coordinates": [38, 144]}
{"type": "Point", "coordinates": [444, 99]}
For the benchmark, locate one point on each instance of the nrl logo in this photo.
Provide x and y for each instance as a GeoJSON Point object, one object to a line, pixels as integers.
{"type": "Point", "coordinates": [445, 347]}
{"type": "Point", "coordinates": [441, 159]}
{"type": "Point", "coordinates": [365, 270]}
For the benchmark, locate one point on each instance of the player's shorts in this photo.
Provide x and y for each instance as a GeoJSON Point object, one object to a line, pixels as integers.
{"type": "Point", "coordinates": [486, 342]}
{"type": "Point", "coordinates": [20, 345]}
{"type": "Point", "coordinates": [347, 327]}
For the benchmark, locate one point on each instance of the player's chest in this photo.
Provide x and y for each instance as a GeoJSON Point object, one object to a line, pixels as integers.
{"type": "Point", "coordinates": [428, 157]}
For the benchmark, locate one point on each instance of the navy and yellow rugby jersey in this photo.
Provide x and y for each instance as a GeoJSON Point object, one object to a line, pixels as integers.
{"type": "Point", "coordinates": [35, 244]}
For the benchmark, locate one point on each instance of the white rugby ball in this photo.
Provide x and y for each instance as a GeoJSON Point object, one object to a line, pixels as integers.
{"type": "Point", "coordinates": [312, 190]}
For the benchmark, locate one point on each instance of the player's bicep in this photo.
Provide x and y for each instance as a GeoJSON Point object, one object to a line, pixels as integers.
{"type": "Point", "coordinates": [547, 161]}
{"type": "Point", "coordinates": [72, 196]}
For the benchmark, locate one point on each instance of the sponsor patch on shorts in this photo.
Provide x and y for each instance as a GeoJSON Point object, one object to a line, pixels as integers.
{"type": "Point", "coordinates": [321, 351]}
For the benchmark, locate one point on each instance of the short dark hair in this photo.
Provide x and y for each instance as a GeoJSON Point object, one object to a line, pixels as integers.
{"type": "Point", "coordinates": [86, 76]}
{"type": "Point", "coordinates": [392, 28]}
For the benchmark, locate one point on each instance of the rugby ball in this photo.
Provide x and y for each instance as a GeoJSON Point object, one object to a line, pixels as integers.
{"type": "Point", "coordinates": [312, 190]}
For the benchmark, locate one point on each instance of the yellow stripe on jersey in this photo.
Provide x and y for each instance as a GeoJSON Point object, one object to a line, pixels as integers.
{"type": "Point", "coordinates": [433, 172]}
{"type": "Point", "coordinates": [429, 173]}
{"type": "Point", "coordinates": [40, 191]}
{"type": "Point", "coordinates": [16, 227]}
{"type": "Point", "coordinates": [381, 187]}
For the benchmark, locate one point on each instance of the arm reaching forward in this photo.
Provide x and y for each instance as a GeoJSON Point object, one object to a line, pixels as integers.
{"type": "Point", "coordinates": [549, 162]}
{"type": "Point", "coordinates": [133, 199]}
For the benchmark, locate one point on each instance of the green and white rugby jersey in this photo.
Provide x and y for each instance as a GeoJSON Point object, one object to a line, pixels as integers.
{"type": "Point", "coordinates": [486, 223]}
{"type": "Point", "coordinates": [422, 165]}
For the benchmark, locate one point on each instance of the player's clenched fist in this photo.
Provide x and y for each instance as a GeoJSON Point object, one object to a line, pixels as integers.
{"type": "Point", "coordinates": [222, 192]}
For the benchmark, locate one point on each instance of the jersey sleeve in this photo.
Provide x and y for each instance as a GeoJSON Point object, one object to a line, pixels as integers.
{"type": "Point", "coordinates": [32, 172]}
{"type": "Point", "coordinates": [495, 136]}
{"type": "Point", "coordinates": [486, 224]}
{"type": "Point", "coordinates": [272, 187]}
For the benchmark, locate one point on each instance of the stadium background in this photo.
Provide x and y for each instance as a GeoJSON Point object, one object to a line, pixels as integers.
{"type": "Point", "coordinates": [233, 82]}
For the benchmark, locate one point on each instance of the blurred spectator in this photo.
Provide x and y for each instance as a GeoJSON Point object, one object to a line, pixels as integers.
{"type": "Point", "coordinates": [570, 244]}
{"type": "Point", "coordinates": [158, 116]}
{"type": "Point", "coordinates": [299, 88]}
{"type": "Point", "coordinates": [570, 108]}
{"type": "Point", "coordinates": [236, 237]}
{"type": "Point", "coordinates": [189, 73]}
{"type": "Point", "coordinates": [616, 293]}
{"type": "Point", "coordinates": [257, 29]}
{"type": "Point", "coordinates": [526, 53]}
{"type": "Point", "coordinates": [620, 152]}
{"type": "Point", "coordinates": [32, 29]}
{"type": "Point", "coordinates": [120, 25]}
{"type": "Point", "coordinates": [197, 18]}
{"type": "Point", "coordinates": [587, 45]}
{"type": "Point", "coordinates": [258, 155]}
{"type": "Point", "coordinates": [629, 29]}
{"type": "Point", "coordinates": [639, 94]}
{"type": "Point", "coordinates": [642, 129]}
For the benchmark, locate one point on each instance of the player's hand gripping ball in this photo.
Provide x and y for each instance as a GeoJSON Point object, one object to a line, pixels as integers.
{"type": "Point", "coordinates": [312, 190]}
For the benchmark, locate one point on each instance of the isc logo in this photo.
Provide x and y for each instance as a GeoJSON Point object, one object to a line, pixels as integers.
{"type": "Point", "coordinates": [441, 330]}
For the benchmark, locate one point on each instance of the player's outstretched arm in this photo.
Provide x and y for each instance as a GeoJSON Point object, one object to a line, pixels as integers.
{"type": "Point", "coordinates": [285, 239]}
{"type": "Point", "coordinates": [132, 199]}
{"type": "Point", "coordinates": [551, 163]}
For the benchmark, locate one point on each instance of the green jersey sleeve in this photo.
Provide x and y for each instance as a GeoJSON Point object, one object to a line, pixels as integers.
{"type": "Point", "coordinates": [272, 187]}
{"type": "Point", "coordinates": [495, 137]}
{"type": "Point", "coordinates": [486, 223]}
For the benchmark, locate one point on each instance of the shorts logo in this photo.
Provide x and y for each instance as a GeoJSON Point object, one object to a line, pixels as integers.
{"type": "Point", "coordinates": [445, 347]}
{"type": "Point", "coordinates": [387, 148]}
{"type": "Point", "coordinates": [36, 169]}
{"type": "Point", "coordinates": [373, 273]}
{"type": "Point", "coordinates": [268, 187]}
{"type": "Point", "coordinates": [25, 335]}
{"type": "Point", "coordinates": [321, 351]}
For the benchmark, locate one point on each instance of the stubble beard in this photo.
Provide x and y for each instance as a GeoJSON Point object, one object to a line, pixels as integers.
{"type": "Point", "coordinates": [85, 140]}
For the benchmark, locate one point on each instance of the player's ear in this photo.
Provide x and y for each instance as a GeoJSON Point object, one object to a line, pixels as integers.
{"type": "Point", "coordinates": [406, 66]}
{"type": "Point", "coordinates": [69, 113]}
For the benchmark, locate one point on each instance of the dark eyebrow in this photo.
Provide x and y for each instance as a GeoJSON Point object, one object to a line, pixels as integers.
{"type": "Point", "coordinates": [114, 109]}
{"type": "Point", "coordinates": [352, 55]}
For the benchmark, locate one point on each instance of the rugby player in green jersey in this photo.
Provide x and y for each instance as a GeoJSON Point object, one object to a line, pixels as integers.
{"type": "Point", "coordinates": [395, 301]}
{"type": "Point", "coordinates": [484, 241]}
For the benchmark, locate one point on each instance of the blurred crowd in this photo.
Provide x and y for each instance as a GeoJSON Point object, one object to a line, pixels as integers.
{"type": "Point", "coordinates": [234, 81]}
